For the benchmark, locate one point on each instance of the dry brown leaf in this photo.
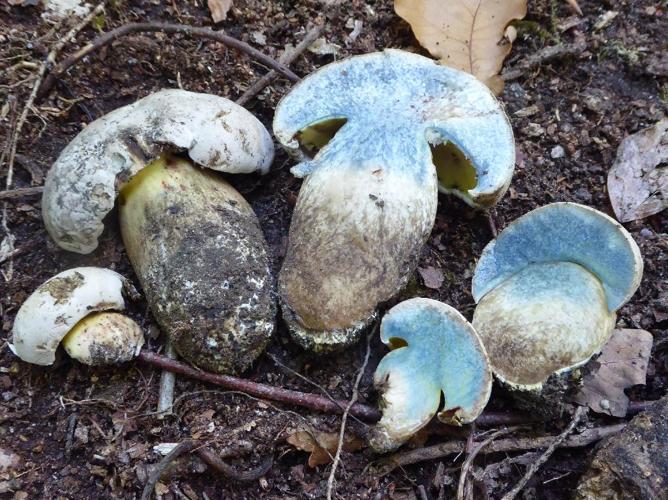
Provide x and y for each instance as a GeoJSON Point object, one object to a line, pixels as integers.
{"type": "Point", "coordinates": [219, 9]}
{"type": "Point", "coordinates": [622, 364]}
{"type": "Point", "coordinates": [322, 445]}
{"type": "Point", "coordinates": [465, 34]}
{"type": "Point", "coordinates": [432, 277]}
{"type": "Point", "coordinates": [638, 180]}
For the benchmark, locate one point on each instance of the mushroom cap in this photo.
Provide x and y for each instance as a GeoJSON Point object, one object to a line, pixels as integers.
{"type": "Point", "coordinates": [104, 338]}
{"type": "Point", "coordinates": [82, 185]}
{"type": "Point", "coordinates": [564, 232]}
{"type": "Point", "coordinates": [395, 104]}
{"type": "Point", "coordinates": [547, 318]}
{"type": "Point", "coordinates": [435, 350]}
{"type": "Point", "coordinates": [59, 304]}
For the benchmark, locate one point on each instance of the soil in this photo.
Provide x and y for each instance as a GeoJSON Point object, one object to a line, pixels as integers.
{"type": "Point", "coordinates": [89, 432]}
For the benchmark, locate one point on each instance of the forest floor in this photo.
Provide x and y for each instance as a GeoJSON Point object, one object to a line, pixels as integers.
{"type": "Point", "coordinates": [84, 433]}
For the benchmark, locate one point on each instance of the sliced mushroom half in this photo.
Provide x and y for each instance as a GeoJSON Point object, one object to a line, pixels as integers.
{"type": "Point", "coordinates": [378, 135]}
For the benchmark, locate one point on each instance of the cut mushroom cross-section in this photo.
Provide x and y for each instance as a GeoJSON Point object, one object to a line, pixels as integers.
{"type": "Point", "coordinates": [373, 131]}
{"type": "Point", "coordinates": [435, 351]}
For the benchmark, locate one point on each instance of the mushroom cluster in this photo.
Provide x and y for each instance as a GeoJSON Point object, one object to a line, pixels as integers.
{"type": "Point", "coordinates": [193, 240]}
{"type": "Point", "coordinates": [547, 289]}
{"type": "Point", "coordinates": [378, 135]}
{"type": "Point", "coordinates": [77, 307]}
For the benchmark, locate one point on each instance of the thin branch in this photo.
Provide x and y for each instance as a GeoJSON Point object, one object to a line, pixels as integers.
{"type": "Point", "coordinates": [216, 463]}
{"type": "Point", "coordinates": [11, 194]}
{"type": "Point", "coordinates": [502, 445]}
{"type": "Point", "coordinates": [287, 58]}
{"type": "Point", "coordinates": [50, 59]}
{"type": "Point", "coordinates": [184, 29]}
{"type": "Point", "coordinates": [159, 469]}
{"type": "Point", "coordinates": [471, 457]}
{"type": "Point", "coordinates": [313, 401]}
{"type": "Point", "coordinates": [353, 399]}
{"type": "Point", "coordinates": [579, 415]}
{"type": "Point", "coordinates": [167, 380]}
{"type": "Point", "coordinates": [542, 56]}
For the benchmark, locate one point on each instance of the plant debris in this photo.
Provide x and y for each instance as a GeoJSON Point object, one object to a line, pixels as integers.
{"type": "Point", "coordinates": [638, 180]}
{"type": "Point", "coordinates": [622, 364]}
{"type": "Point", "coordinates": [471, 35]}
{"type": "Point", "coordinates": [323, 445]}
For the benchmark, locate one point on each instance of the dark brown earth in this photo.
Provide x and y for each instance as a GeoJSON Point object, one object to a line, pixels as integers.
{"type": "Point", "coordinates": [85, 433]}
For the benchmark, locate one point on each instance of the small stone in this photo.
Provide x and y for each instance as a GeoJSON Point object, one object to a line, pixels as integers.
{"type": "Point", "coordinates": [534, 130]}
{"type": "Point", "coordinates": [605, 404]}
{"type": "Point", "coordinates": [557, 152]}
{"type": "Point", "coordinates": [81, 434]}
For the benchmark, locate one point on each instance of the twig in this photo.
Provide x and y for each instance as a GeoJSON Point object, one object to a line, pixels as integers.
{"type": "Point", "coordinates": [306, 400]}
{"type": "Point", "coordinates": [50, 59]}
{"type": "Point", "coordinates": [502, 445]}
{"type": "Point", "coordinates": [313, 401]}
{"type": "Point", "coordinates": [353, 399]}
{"type": "Point", "coordinates": [153, 478]}
{"type": "Point", "coordinates": [11, 194]}
{"type": "Point", "coordinates": [542, 56]}
{"type": "Point", "coordinates": [192, 31]}
{"type": "Point", "coordinates": [167, 380]}
{"type": "Point", "coordinates": [579, 414]}
{"type": "Point", "coordinates": [71, 425]}
{"type": "Point", "coordinates": [471, 457]}
{"type": "Point", "coordinates": [216, 463]}
{"type": "Point", "coordinates": [287, 58]}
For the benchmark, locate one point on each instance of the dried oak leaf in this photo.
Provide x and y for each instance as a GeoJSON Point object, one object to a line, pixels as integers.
{"type": "Point", "coordinates": [219, 9]}
{"type": "Point", "coordinates": [622, 364]}
{"type": "Point", "coordinates": [322, 445]}
{"type": "Point", "coordinates": [469, 35]}
{"type": "Point", "coordinates": [638, 180]}
{"type": "Point", "coordinates": [432, 277]}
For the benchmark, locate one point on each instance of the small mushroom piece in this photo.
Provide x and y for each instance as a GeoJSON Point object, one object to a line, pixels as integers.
{"type": "Point", "coordinates": [193, 240]}
{"type": "Point", "coordinates": [379, 134]}
{"type": "Point", "coordinates": [547, 289]}
{"type": "Point", "coordinates": [434, 351]}
{"type": "Point", "coordinates": [72, 307]}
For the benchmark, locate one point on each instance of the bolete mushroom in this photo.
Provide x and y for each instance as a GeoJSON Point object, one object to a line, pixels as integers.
{"type": "Point", "coordinates": [75, 308]}
{"type": "Point", "coordinates": [378, 134]}
{"type": "Point", "coordinates": [434, 351]}
{"type": "Point", "coordinates": [547, 289]}
{"type": "Point", "coordinates": [193, 240]}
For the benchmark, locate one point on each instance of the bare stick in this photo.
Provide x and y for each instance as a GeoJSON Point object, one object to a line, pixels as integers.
{"type": "Point", "coordinates": [227, 470]}
{"type": "Point", "coordinates": [353, 399]}
{"type": "Point", "coordinates": [313, 401]}
{"type": "Point", "coordinates": [167, 380]}
{"type": "Point", "coordinates": [11, 194]}
{"type": "Point", "coordinates": [439, 451]}
{"type": "Point", "coordinates": [287, 58]}
{"type": "Point", "coordinates": [471, 457]}
{"type": "Point", "coordinates": [579, 414]}
{"type": "Point", "coordinates": [184, 29]}
{"type": "Point", "coordinates": [50, 59]}
{"type": "Point", "coordinates": [542, 56]}
{"type": "Point", "coordinates": [161, 466]}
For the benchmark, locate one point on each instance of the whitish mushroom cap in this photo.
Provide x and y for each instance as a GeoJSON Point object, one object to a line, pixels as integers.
{"type": "Point", "coordinates": [564, 232]}
{"type": "Point", "coordinates": [436, 351]}
{"type": "Point", "coordinates": [82, 185]}
{"type": "Point", "coordinates": [396, 104]}
{"type": "Point", "coordinates": [58, 304]}
{"type": "Point", "coordinates": [547, 318]}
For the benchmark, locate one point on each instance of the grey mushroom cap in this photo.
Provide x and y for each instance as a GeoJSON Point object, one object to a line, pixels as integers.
{"type": "Point", "coordinates": [82, 185]}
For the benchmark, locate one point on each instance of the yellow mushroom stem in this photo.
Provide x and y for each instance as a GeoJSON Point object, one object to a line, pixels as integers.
{"type": "Point", "coordinates": [104, 338]}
